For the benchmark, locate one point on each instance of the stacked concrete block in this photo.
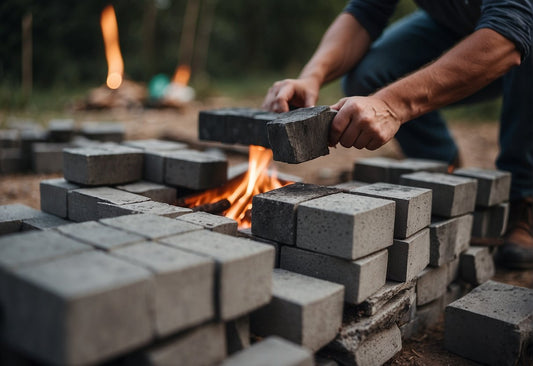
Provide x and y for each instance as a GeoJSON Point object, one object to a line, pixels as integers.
{"type": "Point", "coordinates": [301, 135]}
{"type": "Point", "coordinates": [103, 131]}
{"type": "Point", "coordinates": [492, 325]}
{"type": "Point", "coordinates": [408, 257]}
{"type": "Point", "coordinates": [345, 225]}
{"type": "Point", "coordinates": [61, 130]}
{"type": "Point", "coordinates": [452, 195]}
{"type": "Point", "coordinates": [150, 226]}
{"type": "Point", "coordinates": [54, 196]}
{"type": "Point", "coordinates": [303, 310]}
{"type": "Point", "coordinates": [490, 222]}
{"type": "Point", "coordinates": [81, 309]}
{"type": "Point", "coordinates": [11, 160]}
{"type": "Point", "coordinates": [183, 285]}
{"type": "Point", "coordinates": [431, 284]}
{"type": "Point", "coordinates": [11, 217]}
{"type": "Point", "coordinates": [103, 165]}
{"type": "Point", "coordinates": [448, 238]}
{"type": "Point", "coordinates": [361, 278]}
{"type": "Point", "coordinates": [274, 212]}
{"type": "Point", "coordinates": [28, 137]}
{"type": "Point", "coordinates": [349, 186]}
{"type": "Point", "coordinates": [272, 351]}
{"type": "Point", "coordinates": [477, 265]}
{"type": "Point", "coordinates": [387, 170]}
{"type": "Point", "coordinates": [155, 145]}
{"type": "Point", "coordinates": [204, 345]}
{"type": "Point", "coordinates": [493, 186]}
{"type": "Point", "coordinates": [42, 222]}
{"type": "Point", "coordinates": [216, 223]}
{"type": "Point", "coordinates": [99, 236]}
{"type": "Point", "coordinates": [238, 334]}
{"type": "Point", "coordinates": [9, 139]}
{"type": "Point", "coordinates": [83, 202]}
{"type": "Point", "coordinates": [244, 269]}
{"type": "Point", "coordinates": [47, 157]}
{"type": "Point", "coordinates": [154, 191]}
{"type": "Point", "coordinates": [194, 169]}
{"type": "Point", "coordinates": [105, 210]}
{"type": "Point", "coordinates": [386, 294]}
{"type": "Point", "coordinates": [246, 126]}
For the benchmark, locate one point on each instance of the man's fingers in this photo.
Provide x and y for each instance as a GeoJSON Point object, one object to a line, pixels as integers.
{"type": "Point", "coordinates": [337, 106]}
{"type": "Point", "coordinates": [338, 126]}
{"type": "Point", "coordinates": [350, 135]}
{"type": "Point", "coordinates": [363, 140]}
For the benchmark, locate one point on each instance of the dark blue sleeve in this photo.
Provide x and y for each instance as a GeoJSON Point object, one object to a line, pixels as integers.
{"type": "Point", "coordinates": [372, 14]}
{"type": "Point", "coordinates": [513, 19]}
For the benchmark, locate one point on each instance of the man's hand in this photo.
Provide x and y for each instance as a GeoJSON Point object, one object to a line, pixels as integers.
{"type": "Point", "coordinates": [291, 92]}
{"type": "Point", "coordinates": [363, 122]}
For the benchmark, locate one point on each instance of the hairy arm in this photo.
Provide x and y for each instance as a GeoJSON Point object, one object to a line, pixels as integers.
{"type": "Point", "coordinates": [473, 63]}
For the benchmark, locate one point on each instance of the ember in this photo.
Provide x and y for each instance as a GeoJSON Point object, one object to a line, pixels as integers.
{"type": "Point", "coordinates": [240, 190]}
{"type": "Point", "coordinates": [108, 22]}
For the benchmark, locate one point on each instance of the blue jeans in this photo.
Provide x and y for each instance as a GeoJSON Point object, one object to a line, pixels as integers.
{"type": "Point", "coordinates": [416, 40]}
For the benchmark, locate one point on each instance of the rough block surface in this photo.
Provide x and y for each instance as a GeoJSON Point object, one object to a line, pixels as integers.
{"type": "Point", "coordinates": [97, 306]}
{"type": "Point", "coordinates": [491, 324]}
{"type": "Point", "coordinates": [11, 217]}
{"type": "Point", "coordinates": [54, 193]}
{"type": "Point", "coordinates": [42, 222]}
{"type": "Point", "coordinates": [274, 212]}
{"type": "Point", "coordinates": [431, 284]}
{"type": "Point", "coordinates": [408, 257]}
{"type": "Point", "coordinates": [156, 192]}
{"type": "Point", "coordinates": [493, 186]}
{"type": "Point", "coordinates": [216, 223]}
{"type": "Point", "coordinates": [106, 210]}
{"type": "Point", "coordinates": [361, 278]}
{"type": "Point", "coordinates": [301, 135]}
{"type": "Point", "coordinates": [238, 334]}
{"type": "Point", "coordinates": [155, 145]}
{"type": "Point", "coordinates": [102, 164]}
{"type": "Point", "coordinates": [194, 169]}
{"type": "Point", "coordinates": [103, 131]}
{"type": "Point", "coordinates": [477, 265]}
{"type": "Point", "coordinates": [387, 170]}
{"type": "Point", "coordinates": [452, 195]}
{"type": "Point", "coordinates": [303, 310]}
{"type": "Point", "coordinates": [237, 259]}
{"type": "Point", "coordinates": [490, 222]}
{"type": "Point", "coordinates": [184, 284]}
{"type": "Point", "coordinates": [47, 157]}
{"type": "Point", "coordinates": [61, 130]}
{"type": "Point", "coordinates": [272, 351]}
{"type": "Point", "coordinates": [345, 225]}
{"type": "Point", "coordinates": [448, 238]}
{"type": "Point", "coordinates": [391, 290]}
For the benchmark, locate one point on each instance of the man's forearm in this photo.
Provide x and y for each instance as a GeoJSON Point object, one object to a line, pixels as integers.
{"type": "Point", "coordinates": [472, 64]}
{"type": "Point", "coordinates": [342, 46]}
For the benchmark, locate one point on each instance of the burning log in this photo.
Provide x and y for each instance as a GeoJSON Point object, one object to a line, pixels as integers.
{"type": "Point", "coordinates": [214, 208]}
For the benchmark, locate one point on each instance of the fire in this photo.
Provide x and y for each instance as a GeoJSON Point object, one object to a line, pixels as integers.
{"type": "Point", "coordinates": [115, 65]}
{"type": "Point", "coordinates": [240, 190]}
{"type": "Point", "coordinates": [182, 75]}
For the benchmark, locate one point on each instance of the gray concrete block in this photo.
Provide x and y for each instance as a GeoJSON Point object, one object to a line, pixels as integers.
{"type": "Point", "coordinates": [431, 284]}
{"type": "Point", "coordinates": [274, 212]}
{"type": "Point", "coordinates": [9, 139]}
{"type": "Point", "coordinates": [413, 205]}
{"type": "Point", "coordinates": [155, 145]}
{"type": "Point", "coordinates": [22, 249]}
{"type": "Point", "coordinates": [150, 226]}
{"type": "Point", "coordinates": [184, 285]}
{"type": "Point", "coordinates": [236, 259]}
{"type": "Point", "coordinates": [477, 265]}
{"type": "Point", "coordinates": [194, 169]}
{"type": "Point", "coordinates": [345, 225]}
{"type": "Point", "coordinates": [99, 236]}
{"type": "Point", "coordinates": [361, 278]}
{"type": "Point", "coordinates": [42, 222]}
{"type": "Point", "coordinates": [238, 334]}
{"type": "Point", "coordinates": [448, 238]}
{"type": "Point", "coordinates": [271, 351]}
{"type": "Point", "coordinates": [54, 196]}
{"type": "Point", "coordinates": [493, 186]}
{"type": "Point", "coordinates": [491, 325]}
{"type": "Point", "coordinates": [47, 157]}
{"type": "Point", "coordinates": [387, 170]}
{"type": "Point", "coordinates": [408, 257]}
{"type": "Point", "coordinates": [453, 270]}
{"type": "Point", "coordinates": [80, 309]}
{"type": "Point", "coordinates": [303, 310]}
{"type": "Point", "coordinates": [348, 186]}
{"type": "Point", "coordinates": [11, 160]}
{"type": "Point", "coordinates": [154, 191]}
{"type": "Point", "coordinates": [246, 126]}
{"type": "Point", "coordinates": [102, 165]}
{"type": "Point", "coordinates": [83, 202]}
{"type": "Point", "coordinates": [490, 222]}
{"type": "Point", "coordinates": [452, 195]}
{"type": "Point", "coordinates": [390, 291]}
{"type": "Point", "coordinates": [247, 233]}
{"type": "Point", "coordinates": [217, 223]}
{"type": "Point", "coordinates": [11, 217]}
{"type": "Point", "coordinates": [301, 135]}
{"type": "Point", "coordinates": [426, 316]}
{"type": "Point", "coordinates": [204, 345]}
{"type": "Point", "coordinates": [106, 210]}
{"type": "Point", "coordinates": [154, 166]}
{"type": "Point", "coordinates": [27, 138]}
{"type": "Point", "coordinates": [103, 131]}
{"type": "Point", "coordinates": [61, 130]}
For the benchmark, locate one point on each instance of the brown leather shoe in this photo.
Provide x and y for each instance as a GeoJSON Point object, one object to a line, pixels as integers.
{"type": "Point", "coordinates": [517, 249]}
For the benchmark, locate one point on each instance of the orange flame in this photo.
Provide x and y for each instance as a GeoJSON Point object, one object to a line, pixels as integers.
{"type": "Point", "coordinates": [115, 65]}
{"type": "Point", "coordinates": [240, 190]}
{"type": "Point", "coordinates": [182, 75]}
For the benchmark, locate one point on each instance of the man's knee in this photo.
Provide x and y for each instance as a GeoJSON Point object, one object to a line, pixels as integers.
{"type": "Point", "coordinates": [358, 81]}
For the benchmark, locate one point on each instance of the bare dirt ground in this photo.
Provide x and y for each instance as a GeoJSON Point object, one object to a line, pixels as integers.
{"type": "Point", "coordinates": [477, 142]}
